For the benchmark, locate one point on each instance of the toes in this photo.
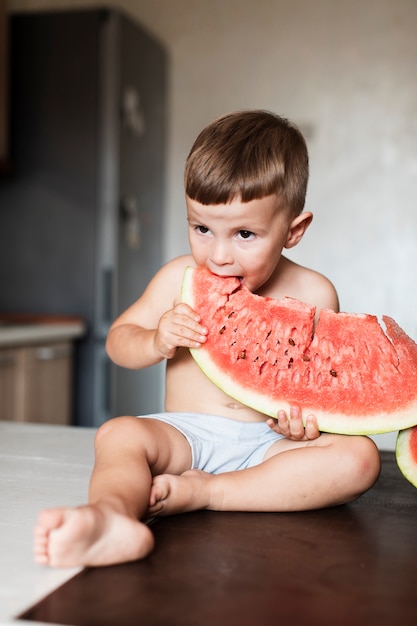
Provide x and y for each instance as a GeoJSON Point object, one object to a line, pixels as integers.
{"type": "Point", "coordinates": [40, 548]}
{"type": "Point", "coordinates": [50, 519]}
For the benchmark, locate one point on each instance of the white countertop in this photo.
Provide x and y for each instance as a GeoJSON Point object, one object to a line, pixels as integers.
{"type": "Point", "coordinates": [26, 334]}
{"type": "Point", "coordinates": [40, 466]}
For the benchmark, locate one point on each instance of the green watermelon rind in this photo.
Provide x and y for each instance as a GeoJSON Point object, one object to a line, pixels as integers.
{"type": "Point", "coordinates": [337, 423]}
{"type": "Point", "coordinates": [403, 455]}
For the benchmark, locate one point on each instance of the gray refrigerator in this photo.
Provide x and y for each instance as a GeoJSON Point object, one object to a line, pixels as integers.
{"type": "Point", "coordinates": [81, 214]}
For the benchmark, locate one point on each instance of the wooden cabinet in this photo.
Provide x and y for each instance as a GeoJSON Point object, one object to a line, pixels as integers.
{"type": "Point", "coordinates": [36, 383]}
{"type": "Point", "coordinates": [9, 383]}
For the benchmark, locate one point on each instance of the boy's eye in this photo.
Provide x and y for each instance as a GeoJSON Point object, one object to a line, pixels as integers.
{"type": "Point", "coordinates": [245, 234]}
{"type": "Point", "coordinates": [202, 229]}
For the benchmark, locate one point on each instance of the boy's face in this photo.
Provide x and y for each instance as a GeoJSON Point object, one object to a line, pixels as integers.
{"type": "Point", "coordinates": [243, 239]}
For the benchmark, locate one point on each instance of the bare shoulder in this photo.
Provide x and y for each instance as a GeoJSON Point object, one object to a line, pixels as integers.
{"type": "Point", "coordinates": [168, 280]}
{"type": "Point", "coordinates": [308, 285]}
{"type": "Point", "coordinates": [170, 276]}
{"type": "Point", "coordinates": [176, 267]}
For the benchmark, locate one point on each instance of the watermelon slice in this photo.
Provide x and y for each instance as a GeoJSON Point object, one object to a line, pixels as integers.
{"type": "Point", "coordinates": [351, 375]}
{"type": "Point", "coordinates": [406, 453]}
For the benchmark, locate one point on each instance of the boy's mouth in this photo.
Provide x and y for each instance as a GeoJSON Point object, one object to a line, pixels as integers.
{"type": "Point", "coordinates": [241, 279]}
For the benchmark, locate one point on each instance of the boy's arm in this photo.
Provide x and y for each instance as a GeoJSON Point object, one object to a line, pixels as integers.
{"type": "Point", "coordinates": [154, 326]}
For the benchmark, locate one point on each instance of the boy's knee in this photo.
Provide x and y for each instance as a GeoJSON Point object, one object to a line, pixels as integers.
{"type": "Point", "coordinates": [112, 428]}
{"type": "Point", "coordinates": [365, 463]}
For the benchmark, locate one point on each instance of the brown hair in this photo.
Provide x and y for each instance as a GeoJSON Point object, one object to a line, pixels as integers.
{"type": "Point", "coordinates": [250, 155]}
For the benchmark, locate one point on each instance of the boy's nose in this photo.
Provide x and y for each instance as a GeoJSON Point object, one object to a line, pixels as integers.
{"type": "Point", "coordinates": [221, 254]}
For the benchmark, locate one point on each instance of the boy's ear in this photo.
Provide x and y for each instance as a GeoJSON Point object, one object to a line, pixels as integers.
{"type": "Point", "coordinates": [297, 229]}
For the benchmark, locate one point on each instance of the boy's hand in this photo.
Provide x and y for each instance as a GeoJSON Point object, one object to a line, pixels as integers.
{"type": "Point", "coordinates": [179, 327]}
{"type": "Point", "coordinates": [292, 427]}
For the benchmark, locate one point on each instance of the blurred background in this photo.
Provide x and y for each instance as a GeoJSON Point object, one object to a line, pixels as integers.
{"type": "Point", "coordinates": [345, 72]}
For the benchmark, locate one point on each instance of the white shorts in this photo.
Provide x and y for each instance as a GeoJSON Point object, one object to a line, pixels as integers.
{"type": "Point", "coordinates": [219, 444]}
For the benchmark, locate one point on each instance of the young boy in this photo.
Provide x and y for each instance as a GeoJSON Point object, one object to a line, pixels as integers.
{"type": "Point", "coordinates": [245, 182]}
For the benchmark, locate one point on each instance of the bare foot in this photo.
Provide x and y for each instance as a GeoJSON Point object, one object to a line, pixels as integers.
{"type": "Point", "coordinates": [90, 535]}
{"type": "Point", "coordinates": [172, 494]}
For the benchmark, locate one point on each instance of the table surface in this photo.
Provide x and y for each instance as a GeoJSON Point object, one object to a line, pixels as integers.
{"type": "Point", "coordinates": [353, 565]}
{"type": "Point", "coordinates": [357, 562]}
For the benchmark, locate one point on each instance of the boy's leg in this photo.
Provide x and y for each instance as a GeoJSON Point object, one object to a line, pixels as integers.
{"type": "Point", "coordinates": [128, 452]}
{"type": "Point", "coordinates": [294, 476]}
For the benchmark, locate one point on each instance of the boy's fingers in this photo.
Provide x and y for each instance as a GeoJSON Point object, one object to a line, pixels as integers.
{"type": "Point", "coordinates": [296, 423]}
{"type": "Point", "coordinates": [283, 423]}
{"type": "Point", "coordinates": [311, 429]}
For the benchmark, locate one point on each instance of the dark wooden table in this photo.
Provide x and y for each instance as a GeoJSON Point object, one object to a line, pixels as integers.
{"type": "Point", "coordinates": [352, 565]}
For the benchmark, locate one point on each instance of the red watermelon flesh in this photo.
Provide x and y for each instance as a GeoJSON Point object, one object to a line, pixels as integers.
{"type": "Point", "coordinates": [406, 453]}
{"type": "Point", "coordinates": [266, 354]}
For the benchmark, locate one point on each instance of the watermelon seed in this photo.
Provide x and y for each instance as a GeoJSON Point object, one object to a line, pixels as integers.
{"type": "Point", "coordinates": [290, 362]}
{"type": "Point", "coordinates": [242, 354]}
{"type": "Point", "coordinates": [221, 331]}
{"type": "Point", "coordinates": [268, 334]}
{"type": "Point", "coordinates": [291, 342]}
{"type": "Point", "coordinates": [333, 373]}
{"type": "Point", "coordinates": [306, 357]}
{"type": "Point", "coordinates": [230, 315]}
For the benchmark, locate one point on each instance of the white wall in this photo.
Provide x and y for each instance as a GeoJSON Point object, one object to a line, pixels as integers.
{"type": "Point", "coordinates": [346, 72]}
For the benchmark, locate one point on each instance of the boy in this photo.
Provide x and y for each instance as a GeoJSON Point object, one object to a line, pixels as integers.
{"type": "Point", "coordinates": [245, 182]}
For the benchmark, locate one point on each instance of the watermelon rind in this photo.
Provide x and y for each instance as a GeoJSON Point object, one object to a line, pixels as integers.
{"type": "Point", "coordinates": [368, 423]}
{"type": "Point", "coordinates": [406, 453]}
{"type": "Point", "coordinates": [337, 423]}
